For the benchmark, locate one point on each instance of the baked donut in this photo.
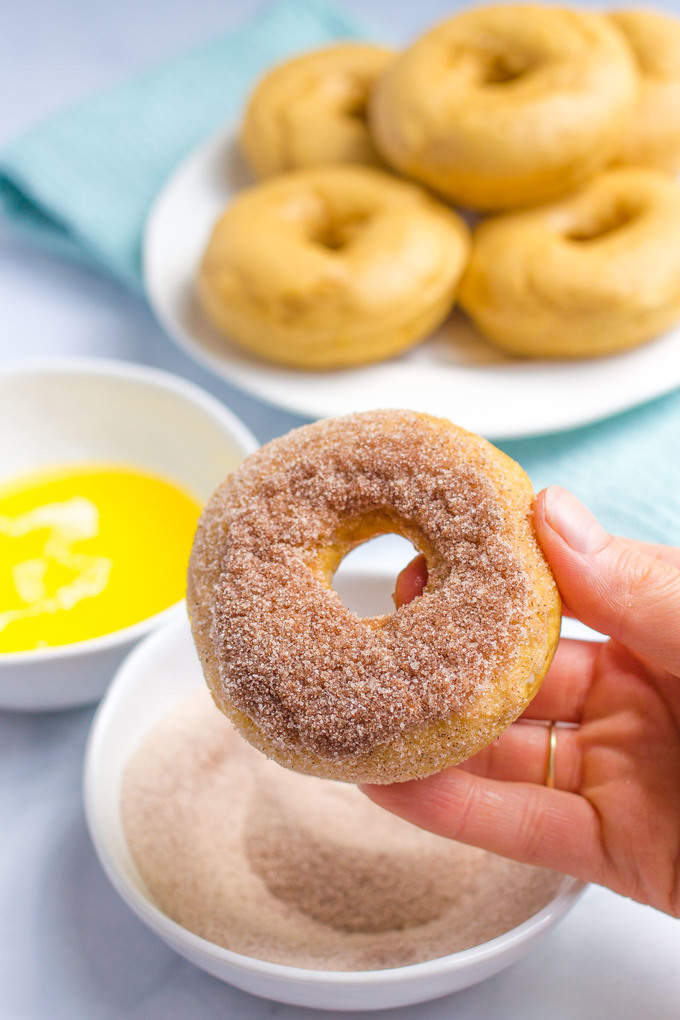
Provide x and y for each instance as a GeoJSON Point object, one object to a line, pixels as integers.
{"type": "Point", "coordinates": [653, 134]}
{"type": "Point", "coordinates": [332, 266]}
{"type": "Point", "coordinates": [595, 273]}
{"type": "Point", "coordinates": [506, 106]}
{"type": "Point", "coordinates": [312, 110]}
{"type": "Point", "coordinates": [395, 697]}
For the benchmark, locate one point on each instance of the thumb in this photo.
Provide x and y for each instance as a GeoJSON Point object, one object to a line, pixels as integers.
{"type": "Point", "coordinates": [608, 583]}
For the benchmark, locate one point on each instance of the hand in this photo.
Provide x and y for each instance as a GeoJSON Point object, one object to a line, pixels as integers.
{"type": "Point", "coordinates": [614, 816]}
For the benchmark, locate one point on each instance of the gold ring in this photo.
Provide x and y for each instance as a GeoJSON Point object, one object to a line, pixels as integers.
{"type": "Point", "coordinates": [550, 765]}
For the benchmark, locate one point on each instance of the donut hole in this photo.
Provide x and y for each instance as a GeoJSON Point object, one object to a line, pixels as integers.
{"type": "Point", "coordinates": [504, 68]}
{"type": "Point", "coordinates": [602, 224]}
{"type": "Point", "coordinates": [368, 592]}
{"type": "Point", "coordinates": [356, 107]}
{"type": "Point", "coordinates": [337, 232]}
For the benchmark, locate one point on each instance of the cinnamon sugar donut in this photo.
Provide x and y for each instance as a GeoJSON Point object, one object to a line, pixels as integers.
{"type": "Point", "coordinates": [395, 697]}
{"type": "Point", "coordinates": [653, 134]}
{"type": "Point", "coordinates": [506, 105]}
{"type": "Point", "coordinates": [312, 110]}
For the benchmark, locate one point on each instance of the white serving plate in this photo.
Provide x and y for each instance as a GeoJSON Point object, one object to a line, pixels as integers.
{"type": "Point", "coordinates": [455, 373]}
{"type": "Point", "coordinates": [157, 675]}
{"type": "Point", "coordinates": [79, 410]}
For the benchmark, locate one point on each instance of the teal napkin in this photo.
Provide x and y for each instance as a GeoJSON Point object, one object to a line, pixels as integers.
{"type": "Point", "coordinates": [627, 468]}
{"type": "Point", "coordinates": [83, 182]}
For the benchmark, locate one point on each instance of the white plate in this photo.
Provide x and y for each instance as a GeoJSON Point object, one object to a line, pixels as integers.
{"type": "Point", "coordinates": [455, 373]}
{"type": "Point", "coordinates": [159, 674]}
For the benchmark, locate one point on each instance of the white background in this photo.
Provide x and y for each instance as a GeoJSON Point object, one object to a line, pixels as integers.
{"type": "Point", "coordinates": [69, 949]}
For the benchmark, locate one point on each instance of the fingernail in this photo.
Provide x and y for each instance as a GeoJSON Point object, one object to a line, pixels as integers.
{"type": "Point", "coordinates": [573, 521]}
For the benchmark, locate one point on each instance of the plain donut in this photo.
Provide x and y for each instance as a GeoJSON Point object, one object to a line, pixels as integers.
{"type": "Point", "coordinates": [595, 273]}
{"type": "Point", "coordinates": [311, 110]}
{"type": "Point", "coordinates": [506, 106]}
{"type": "Point", "coordinates": [653, 134]}
{"type": "Point", "coordinates": [332, 266]}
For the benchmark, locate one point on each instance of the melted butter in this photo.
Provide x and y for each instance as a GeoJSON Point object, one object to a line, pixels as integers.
{"type": "Point", "coordinates": [86, 550]}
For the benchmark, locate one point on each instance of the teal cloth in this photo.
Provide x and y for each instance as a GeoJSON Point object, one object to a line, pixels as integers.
{"type": "Point", "coordinates": [83, 182]}
{"type": "Point", "coordinates": [627, 469]}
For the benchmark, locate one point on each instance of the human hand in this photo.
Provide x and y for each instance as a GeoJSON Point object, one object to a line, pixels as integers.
{"type": "Point", "coordinates": [614, 815]}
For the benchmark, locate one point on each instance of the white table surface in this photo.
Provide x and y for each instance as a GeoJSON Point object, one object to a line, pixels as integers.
{"type": "Point", "coordinates": [69, 948]}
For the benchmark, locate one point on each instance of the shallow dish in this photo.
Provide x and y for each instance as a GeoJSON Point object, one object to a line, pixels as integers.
{"type": "Point", "coordinates": [158, 674]}
{"type": "Point", "coordinates": [455, 373]}
{"type": "Point", "coordinates": [82, 410]}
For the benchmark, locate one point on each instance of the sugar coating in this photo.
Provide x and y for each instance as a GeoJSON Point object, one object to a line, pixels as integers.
{"type": "Point", "coordinates": [299, 870]}
{"type": "Point", "coordinates": [284, 649]}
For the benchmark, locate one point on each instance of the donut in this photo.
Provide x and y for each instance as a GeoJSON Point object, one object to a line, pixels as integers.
{"type": "Point", "coordinates": [595, 273]}
{"type": "Point", "coordinates": [332, 266]}
{"type": "Point", "coordinates": [506, 106]}
{"type": "Point", "coordinates": [386, 699]}
{"type": "Point", "coordinates": [312, 110]}
{"type": "Point", "coordinates": [653, 135]}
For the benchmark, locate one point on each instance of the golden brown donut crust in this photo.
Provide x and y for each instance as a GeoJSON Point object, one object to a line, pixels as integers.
{"type": "Point", "coordinates": [395, 697]}
{"type": "Point", "coordinates": [311, 110]}
{"type": "Point", "coordinates": [506, 106]}
{"type": "Point", "coordinates": [596, 273]}
{"type": "Point", "coordinates": [652, 137]}
{"type": "Point", "coordinates": [332, 266]}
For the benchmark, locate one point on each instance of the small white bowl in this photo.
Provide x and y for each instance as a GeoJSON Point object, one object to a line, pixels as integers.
{"type": "Point", "coordinates": [71, 410]}
{"type": "Point", "coordinates": [157, 675]}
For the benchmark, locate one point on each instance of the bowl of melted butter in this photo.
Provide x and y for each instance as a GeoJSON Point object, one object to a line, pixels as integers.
{"type": "Point", "coordinates": [104, 467]}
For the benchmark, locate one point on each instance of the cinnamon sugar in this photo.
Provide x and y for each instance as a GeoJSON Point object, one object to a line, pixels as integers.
{"type": "Point", "coordinates": [283, 647]}
{"type": "Point", "coordinates": [298, 870]}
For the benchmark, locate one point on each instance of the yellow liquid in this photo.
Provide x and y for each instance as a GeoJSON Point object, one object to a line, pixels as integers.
{"type": "Point", "coordinates": [88, 549]}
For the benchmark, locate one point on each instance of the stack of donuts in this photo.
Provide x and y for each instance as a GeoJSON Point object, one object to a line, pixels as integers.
{"type": "Point", "coordinates": [556, 134]}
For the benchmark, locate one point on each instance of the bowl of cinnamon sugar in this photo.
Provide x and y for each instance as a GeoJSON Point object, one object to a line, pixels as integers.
{"type": "Point", "coordinates": [287, 886]}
